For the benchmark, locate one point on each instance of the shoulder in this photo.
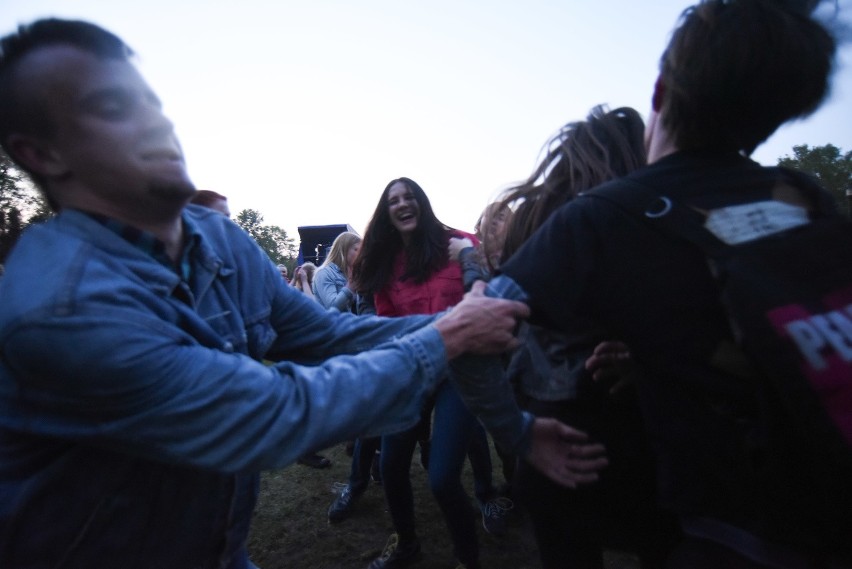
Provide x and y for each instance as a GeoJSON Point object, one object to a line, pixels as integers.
{"type": "Point", "coordinates": [67, 266]}
{"type": "Point", "coordinates": [226, 242]}
{"type": "Point", "coordinates": [463, 235]}
{"type": "Point", "coordinates": [47, 255]}
{"type": "Point", "coordinates": [328, 271]}
{"type": "Point", "coordinates": [215, 226]}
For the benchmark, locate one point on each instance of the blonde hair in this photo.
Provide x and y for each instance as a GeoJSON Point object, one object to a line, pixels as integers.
{"type": "Point", "coordinates": [491, 242]}
{"type": "Point", "coordinates": [309, 269]}
{"type": "Point", "coordinates": [339, 248]}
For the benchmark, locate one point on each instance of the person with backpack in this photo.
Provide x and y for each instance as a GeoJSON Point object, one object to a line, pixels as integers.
{"type": "Point", "coordinates": [753, 459]}
{"type": "Point", "coordinates": [574, 526]}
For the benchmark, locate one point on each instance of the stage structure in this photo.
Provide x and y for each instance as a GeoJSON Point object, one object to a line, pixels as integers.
{"type": "Point", "coordinates": [316, 240]}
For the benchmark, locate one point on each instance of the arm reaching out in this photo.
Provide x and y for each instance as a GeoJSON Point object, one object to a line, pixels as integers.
{"type": "Point", "coordinates": [564, 454]}
{"type": "Point", "coordinates": [561, 453]}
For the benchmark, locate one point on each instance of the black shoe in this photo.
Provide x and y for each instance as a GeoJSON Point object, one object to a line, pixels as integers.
{"type": "Point", "coordinates": [397, 554]}
{"type": "Point", "coordinates": [494, 515]}
{"type": "Point", "coordinates": [342, 506]}
{"type": "Point", "coordinates": [314, 461]}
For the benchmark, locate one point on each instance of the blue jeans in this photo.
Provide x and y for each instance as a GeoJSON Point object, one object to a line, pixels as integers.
{"type": "Point", "coordinates": [454, 431]}
{"type": "Point", "coordinates": [362, 458]}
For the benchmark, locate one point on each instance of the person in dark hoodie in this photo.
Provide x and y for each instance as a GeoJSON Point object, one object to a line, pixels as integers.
{"type": "Point", "coordinates": [732, 73]}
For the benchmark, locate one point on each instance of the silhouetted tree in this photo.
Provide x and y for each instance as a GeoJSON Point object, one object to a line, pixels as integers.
{"type": "Point", "coordinates": [831, 167]}
{"type": "Point", "coordinates": [20, 205]}
{"type": "Point", "coordinates": [271, 238]}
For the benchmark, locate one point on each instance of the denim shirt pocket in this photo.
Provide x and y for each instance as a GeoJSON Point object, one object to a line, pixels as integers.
{"type": "Point", "coordinates": [259, 334]}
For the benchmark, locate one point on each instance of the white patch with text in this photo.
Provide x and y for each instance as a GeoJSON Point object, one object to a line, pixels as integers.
{"type": "Point", "coordinates": [747, 222]}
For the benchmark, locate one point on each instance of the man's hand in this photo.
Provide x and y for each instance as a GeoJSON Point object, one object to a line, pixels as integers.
{"type": "Point", "coordinates": [563, 454]}
{"type": "Point", "coordinates": [481, 325]}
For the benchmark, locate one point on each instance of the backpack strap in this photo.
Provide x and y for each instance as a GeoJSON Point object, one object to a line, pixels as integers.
{"type": "Point", "coordinates": [674, 218]}
{"type": "Point", "coordinates": [668, 215]}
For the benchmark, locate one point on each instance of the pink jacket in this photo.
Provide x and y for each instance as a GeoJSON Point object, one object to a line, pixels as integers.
{"type": "Point", "coordinates": [441, 291]}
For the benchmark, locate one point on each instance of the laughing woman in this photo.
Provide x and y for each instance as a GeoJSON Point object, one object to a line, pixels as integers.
{"type": "Point", "coordinates": [404, 265]}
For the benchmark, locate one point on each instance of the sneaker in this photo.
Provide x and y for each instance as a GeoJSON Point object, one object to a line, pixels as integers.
{"type": "Point", "coordinates": [314, 461]}
{"type": "Point", "coordinates": [494, 515]}
{"type": "Point", "coordinates": [397, 554]}
{"type": "Point", "coordinates": [342, 506]}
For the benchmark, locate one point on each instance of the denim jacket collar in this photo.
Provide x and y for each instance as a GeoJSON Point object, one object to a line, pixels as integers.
{"type": "Point", "coordinates": [208, 263]}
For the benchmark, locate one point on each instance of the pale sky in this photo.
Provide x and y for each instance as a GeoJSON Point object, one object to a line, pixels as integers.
{"type": "Point", "coordinates": [304, 110]}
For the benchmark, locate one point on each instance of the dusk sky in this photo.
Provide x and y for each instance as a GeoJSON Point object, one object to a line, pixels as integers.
{"type": "Point", "coordinates": [305, 110]}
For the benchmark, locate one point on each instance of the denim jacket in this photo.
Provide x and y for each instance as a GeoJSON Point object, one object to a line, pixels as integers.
{"type": "Point", "coordinates": [135, 413]}
{"type": "Point", "coordinates": [329, 288]}
{"type": "Point", "coordinates": [483, 386]}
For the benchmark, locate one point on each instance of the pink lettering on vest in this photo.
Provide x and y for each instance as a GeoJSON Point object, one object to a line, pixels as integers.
{"type": "Point", "coordinates": [824, 341]}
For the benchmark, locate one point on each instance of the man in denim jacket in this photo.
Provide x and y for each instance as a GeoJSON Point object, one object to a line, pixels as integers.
{"type": "Point", "coordinates": [135, 413]}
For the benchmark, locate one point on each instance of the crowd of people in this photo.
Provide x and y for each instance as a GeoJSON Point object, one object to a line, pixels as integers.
{"type": "Point", "coordinates": [153, 361]}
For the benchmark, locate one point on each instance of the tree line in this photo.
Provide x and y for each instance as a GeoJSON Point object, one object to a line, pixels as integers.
{"type": "Point", "coordinates": [22, 205]}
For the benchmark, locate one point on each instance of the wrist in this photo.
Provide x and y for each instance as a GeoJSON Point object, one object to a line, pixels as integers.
{"type": "Point", "coordinates": [452, 334]}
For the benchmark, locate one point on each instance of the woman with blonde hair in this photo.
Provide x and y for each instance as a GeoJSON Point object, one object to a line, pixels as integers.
{"type": "Point", "coordinates": [303, 278]}
{"type": "Point", "coordinates": [331, 281]}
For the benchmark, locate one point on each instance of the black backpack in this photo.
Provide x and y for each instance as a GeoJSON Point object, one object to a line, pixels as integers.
{"type": "Point", "coordinates": [788, 298]}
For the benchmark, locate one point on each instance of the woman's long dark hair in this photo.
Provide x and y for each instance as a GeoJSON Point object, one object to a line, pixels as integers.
{"type": "Point", "coordinates": [582, 155]}
{"type": "Point", "coordinates": [425, 254]}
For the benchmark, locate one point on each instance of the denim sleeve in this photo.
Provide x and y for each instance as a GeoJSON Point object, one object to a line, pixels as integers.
{"type": "Point", "coordinates": [365, 305]}
{"type": "Point", "coordinates": [307, 334]}
{"type": "Point", "coordinates": [128, 382]}
{"type": "Point", "coordinates": [330, 290]}
{"type": "Point", "coordinates": [487, 392]}
{"type": "Point", "coordinates": [472, 267]}
{"type": "Point", "coordinates": [344, 300]}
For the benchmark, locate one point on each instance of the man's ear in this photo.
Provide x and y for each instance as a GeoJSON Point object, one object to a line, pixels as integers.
{"type": "Point", "coordinates": [659, 95]}
{"type": "Point", "coordinates": [36, 155]}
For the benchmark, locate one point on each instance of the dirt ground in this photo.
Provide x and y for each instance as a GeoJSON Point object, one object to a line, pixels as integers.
{"type": "Point", "coordinates": [291, 530]}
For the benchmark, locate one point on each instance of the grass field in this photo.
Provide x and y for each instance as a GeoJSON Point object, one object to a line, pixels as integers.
{"type": "Point", "coordinates": [290, 528]}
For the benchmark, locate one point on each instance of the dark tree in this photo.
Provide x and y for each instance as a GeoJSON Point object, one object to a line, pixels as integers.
{"type": "Point", "coordinates": [271, 238]}
{"type": "Point", "coordinates": [829, 165]}
{"type": "Point", "coordinates": [20, 205]}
